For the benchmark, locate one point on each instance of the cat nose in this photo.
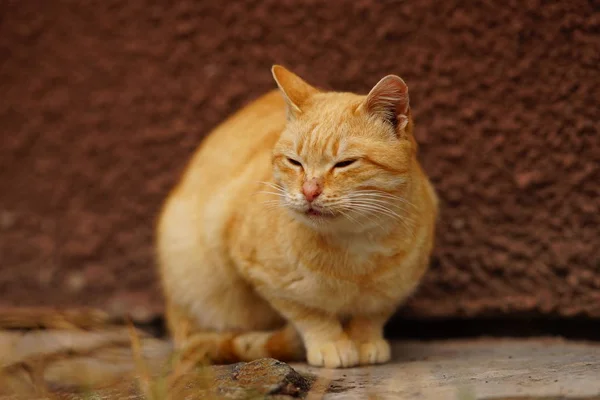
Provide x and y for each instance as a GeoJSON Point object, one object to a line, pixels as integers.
{"type": "Point", "coordinates": [312, 189]}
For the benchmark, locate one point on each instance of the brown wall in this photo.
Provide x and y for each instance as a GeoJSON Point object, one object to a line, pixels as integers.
{"type": "Point", "coordinates": [101, 105]}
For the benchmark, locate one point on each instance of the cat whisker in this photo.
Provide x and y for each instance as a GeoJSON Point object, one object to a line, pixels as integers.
{"type": "Point", "coordinates": [406, 221]}
{"type": "Point", "coordinates": [368, 203]}
{"type": "Point", "coordinates": [374, 204]}
{"type": "Point", "coordinates": [273, 186]}
{"type": "Point", "coordinates": [376, 207]}
{"type": "Point", "coordinates": [381, 195]}
{"type": "Point", "coordinates": [380, 192]}
{"type": "Point", "coordinates": [350, 217]}
{"type": "Point", "coordinates": [394, 208]}
{"type": "Point", "coordinates": [373, 217]}
{"type": "Point", "coordinates": [385, 202]}
{"type": "Point", "coordinates": [282, 195]}
{"type": "Point", "coordinates": [394, 201]}
{"type": "Point", "coordinates": [372, 210]}
{"type": "Point", "coordinates": [271, 204]}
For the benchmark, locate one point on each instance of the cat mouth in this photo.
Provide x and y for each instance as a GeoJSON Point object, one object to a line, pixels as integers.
{"type": "Point", "coordinates": [312, 212]}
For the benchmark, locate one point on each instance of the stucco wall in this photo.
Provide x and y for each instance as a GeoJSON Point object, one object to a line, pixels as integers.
{"type": "Point", "coordinates": [102, 102]}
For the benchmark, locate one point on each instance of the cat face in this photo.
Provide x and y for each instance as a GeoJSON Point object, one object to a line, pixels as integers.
{"type": "Point", "coordinates": [343, 161]}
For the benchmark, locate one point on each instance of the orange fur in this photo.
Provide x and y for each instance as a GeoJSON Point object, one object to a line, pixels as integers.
{"type": "Point", "coordinates": [240, 253]}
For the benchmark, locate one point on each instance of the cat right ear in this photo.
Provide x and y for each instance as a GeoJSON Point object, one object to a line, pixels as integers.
{"type": "Point", "coordinates": [294, 89]}
{"type": "Point", "coordinates": [388, 100]}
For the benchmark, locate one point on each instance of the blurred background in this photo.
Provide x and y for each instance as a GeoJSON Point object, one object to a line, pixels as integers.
{"type": "Point", "coordinates": [103, 102]}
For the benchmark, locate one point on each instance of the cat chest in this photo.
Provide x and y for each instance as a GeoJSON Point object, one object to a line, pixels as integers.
{"type": "Point", "coordinates": [347, 294]}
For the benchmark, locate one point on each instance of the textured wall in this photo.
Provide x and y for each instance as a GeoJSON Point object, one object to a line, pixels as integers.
{"type": "Point", "coordinates": [102, 102]}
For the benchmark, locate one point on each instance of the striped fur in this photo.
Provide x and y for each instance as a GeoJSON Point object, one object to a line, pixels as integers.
{"type": "Point", "coordinates": [249, 271]}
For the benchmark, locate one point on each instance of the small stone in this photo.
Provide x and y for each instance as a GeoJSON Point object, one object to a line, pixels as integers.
{"type": "Point", "coordinates": [265, 376]}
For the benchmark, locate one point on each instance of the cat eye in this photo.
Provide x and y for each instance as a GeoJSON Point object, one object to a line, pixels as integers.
{"type": "Point", "coordinates": [343, 164]}
{"type": "Point", "coordinates": [294, 162]}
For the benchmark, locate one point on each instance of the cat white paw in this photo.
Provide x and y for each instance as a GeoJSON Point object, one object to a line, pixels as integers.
{"type": "Point", "coordinates": [374, 352]}
{"type": "Point", "coordinates": [335, 354]}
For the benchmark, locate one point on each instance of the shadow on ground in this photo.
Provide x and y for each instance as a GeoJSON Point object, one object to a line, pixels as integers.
{"type": "Point", "coordinates": [85, 356]}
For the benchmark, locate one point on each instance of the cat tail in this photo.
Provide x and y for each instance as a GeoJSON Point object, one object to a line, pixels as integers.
{"type": "Point", "coordinates": [284, 344]}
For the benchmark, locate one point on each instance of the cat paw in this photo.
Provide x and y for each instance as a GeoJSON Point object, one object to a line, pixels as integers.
{"type": "Point", "coordinates": [374, 352]}
{"type": "Point", "coordinates": [336, 354]}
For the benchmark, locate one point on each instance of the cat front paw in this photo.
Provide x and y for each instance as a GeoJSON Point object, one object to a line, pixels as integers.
{"type": "Point", "coordinates": [334, 354]}
{"type": "Point", "coordinates": [377, 351]}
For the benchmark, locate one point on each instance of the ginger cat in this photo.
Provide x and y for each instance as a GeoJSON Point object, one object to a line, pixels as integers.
{"type": "Point", "coordinates": [300, 225]}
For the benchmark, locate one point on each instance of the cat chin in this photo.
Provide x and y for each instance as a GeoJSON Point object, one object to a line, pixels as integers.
{"type": "Point", "coordinates": [317, 216]}
{"type": "Point", "coordinates": [325, 223]}
{"type": "Point", "coordinates": [314, 218]}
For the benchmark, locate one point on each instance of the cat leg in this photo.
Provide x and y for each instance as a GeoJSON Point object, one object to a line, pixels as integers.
{"type": "Point", "coordinates": [179, 323]}
{"type": "Point", "coordinates": [284, 344]}
{"type": "Point", "coordinates": [198, 344]}
{"type": "Point", "coordinates": [367, 333]}
{"type": "Point", "coordinates": [326, 343]}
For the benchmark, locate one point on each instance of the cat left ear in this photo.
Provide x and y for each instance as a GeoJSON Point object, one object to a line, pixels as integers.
{"type": "Point", "coordinates": [294, 89]}
{"type": "Point", "coordinates": [388, 100]}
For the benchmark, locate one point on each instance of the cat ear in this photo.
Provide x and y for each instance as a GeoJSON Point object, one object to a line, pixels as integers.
{"type": "Point", "coordinates": [389, 101]}
{"type": "Point", "coordinates": [295, 90]}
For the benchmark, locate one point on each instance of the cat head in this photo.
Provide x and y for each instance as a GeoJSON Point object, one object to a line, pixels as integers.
{"type": "Point", "coordinates": [344, 160]}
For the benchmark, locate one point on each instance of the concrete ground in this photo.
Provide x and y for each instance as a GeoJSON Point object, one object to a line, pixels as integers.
{"type": "Point", "coordinates": [501, 369]}
{"type": "Point", "coordinates": [471, 369]}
